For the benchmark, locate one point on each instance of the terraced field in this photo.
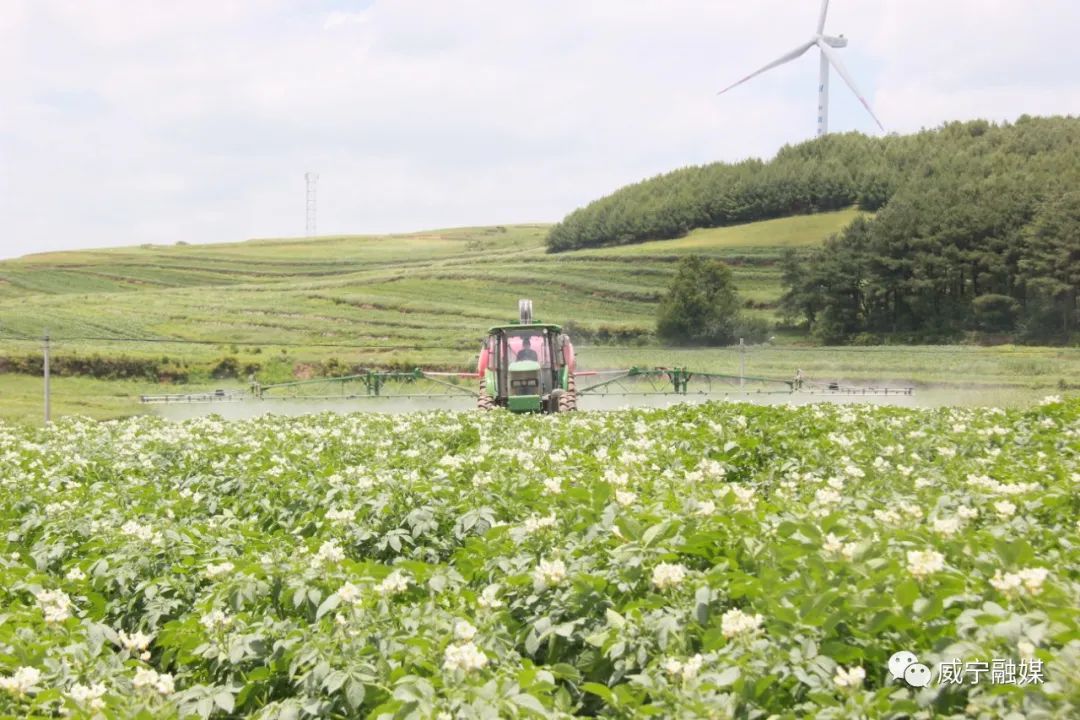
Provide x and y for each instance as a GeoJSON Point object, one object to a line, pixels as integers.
{"type": "Point", "coordinates": [439, 288]}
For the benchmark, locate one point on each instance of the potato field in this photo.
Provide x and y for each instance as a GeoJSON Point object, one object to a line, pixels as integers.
{"type": "Point", "coordinates": [713, 561]}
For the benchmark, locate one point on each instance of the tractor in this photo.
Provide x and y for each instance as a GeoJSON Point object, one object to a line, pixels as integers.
{"type": "Point", "coordinates": [527, 366]}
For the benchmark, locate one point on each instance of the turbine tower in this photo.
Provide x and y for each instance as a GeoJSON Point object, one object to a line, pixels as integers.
{"type": "Point", "coordinates": [827, 45]}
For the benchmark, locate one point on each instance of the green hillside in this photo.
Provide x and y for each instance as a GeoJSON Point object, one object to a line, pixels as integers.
{"type": "Point", "coordinates": [436, 291]}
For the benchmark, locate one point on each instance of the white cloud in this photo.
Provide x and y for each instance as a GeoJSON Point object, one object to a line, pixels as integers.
{"type": "Point", "coordinates": [129, 122]}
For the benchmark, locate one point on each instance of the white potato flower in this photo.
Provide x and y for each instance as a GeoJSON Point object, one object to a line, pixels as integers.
{"type": "Point", "coordinates": [947, 526]}
{"type": "Point", "coordinates": [735, 622]}
{"type": "Point", "coordinates": [349, 593]}
{"type": "Point", "coordinates": [489, 597]}
{"type": "Point", "coordinates": [329, 552]}
{"type": "Point", "coordinates": [482, 479]}
{"type": "Point", "coordinates": [922, 563]}
{"type": "Point", "coordinates": [464, 630]}
{"type": "Point", "coordinates": [55, 605]}
{"type": "Point", "coordinates": [1007, 582]}
{"type": "Point", "coordinates": [216, 571]}
{"type": "Point", "coordinates": [75, 574]}
{"type": "Point", "coordinates": [887, 516]}
{"type": "Point", "coordinates": [853, 471]}
{"type": "Point", "coordinates": [342, 515]}
{"type": "Point", "coordinates": [146, 679]}
{"type": "Point", "coordinates": [136, 641]}
{"type": "Point", "coordinates": [21, 682]}
{"type": "Point", "coordinates": [466, 657]}
{"type": "Point", "coordinates": [911, 510]}
{"type": "Point", "coordinates": [673, 666]}
{"type": "Point", "coordinates": [89, 696]}
{"type": "Point", "coordinates": [1033, 579]}
{"type": "Point", "coordinates": [826, 496]}
{"type": "Point", "coordinates": [967, 513]}
{"type": "Point", "coordinates": [1025, 648]}
{"type": "Point", "coordinates": [553, 485]}
{"type": "Point", "coordinates": [625, 497]}
{"type": "Point", "coordinates": [849, 678]}
{"type": "Point", "coordinates": [616, 479]}
{"type": "Point", "coordinates": [683, 670]}
{"type": "Point", "coordinates": [1005, 508]}
{"type": "Point", "coordinates": [706, 507]}
{"type": "Point", "coordinates": [395, 583]}
{"type": "Point", "coordinates": [215, 620]}
{"type": "Point", "coordinates": [1015, 488]}
{"type": "Point", "coordinates": [692, 666]}
{"type": "Point", "coordinates": [832, 544]}
{"type": "Point", "coordinates": [535, 523]}
{"type": "Point", "coordinates": [549, 573]}
{"type": "Point", "coordinates": [668, 575]}
{"type": "Point", "coordinates": [744, 496]}
{"type": "Point", "coordinates": [137, 530]}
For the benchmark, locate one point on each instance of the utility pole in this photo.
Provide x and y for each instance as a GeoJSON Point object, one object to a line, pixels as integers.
{"type": "Point", "coordinates": [742, 362]}
{"type": "Point", "coordinates": [311, 179]}
{"type": "Point", "coordinates": [46, 358]}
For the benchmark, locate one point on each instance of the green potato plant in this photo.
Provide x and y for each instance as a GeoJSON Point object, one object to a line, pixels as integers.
{"type": "Point", "coordinates": [712, 561]}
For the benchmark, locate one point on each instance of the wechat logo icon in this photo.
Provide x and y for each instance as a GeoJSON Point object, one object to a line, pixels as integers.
{"type": "Point", "coordinates": [905, 666]}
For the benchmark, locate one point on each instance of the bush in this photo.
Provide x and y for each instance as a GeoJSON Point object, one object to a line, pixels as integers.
{"type": "Point", "coordinates": [701, 306]}
{"type": "Point", "coordinates": [227, 367]}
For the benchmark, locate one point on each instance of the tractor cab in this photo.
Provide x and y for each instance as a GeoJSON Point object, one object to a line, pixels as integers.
{"type": "Point", "coordinates": [527, 367]}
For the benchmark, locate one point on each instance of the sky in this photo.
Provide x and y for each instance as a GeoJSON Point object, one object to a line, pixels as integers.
{"type": "Point", "coordinates": [125, 122]}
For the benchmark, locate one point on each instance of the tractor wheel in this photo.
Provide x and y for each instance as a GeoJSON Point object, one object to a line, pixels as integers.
{"type": "Point", "coordinates": [555, 400]}
{"type": "Point", "coordinates": [568, 400]}
{"type": "Point", "coordinates": [483, 400]}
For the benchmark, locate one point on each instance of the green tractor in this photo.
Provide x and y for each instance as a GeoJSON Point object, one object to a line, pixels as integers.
{"type": "Point", "coordinates": [527, 366]}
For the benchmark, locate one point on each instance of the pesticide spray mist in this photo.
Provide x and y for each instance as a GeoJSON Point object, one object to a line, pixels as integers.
{"type": "Point", "coordinates": [927, 396]}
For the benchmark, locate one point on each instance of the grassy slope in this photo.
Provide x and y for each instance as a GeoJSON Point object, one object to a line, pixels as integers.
{"type": "Point", "coordinates": [438, 288]}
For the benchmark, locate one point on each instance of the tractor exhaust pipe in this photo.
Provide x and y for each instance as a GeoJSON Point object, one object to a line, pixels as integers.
{"type": "Point", "coordinates": [525, 312]}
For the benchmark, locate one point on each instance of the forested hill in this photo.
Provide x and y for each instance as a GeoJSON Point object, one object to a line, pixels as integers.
{"type": "Point", "coordinates": [1034, 159]}
{"type": "Point", "coordinates": [976, 229]}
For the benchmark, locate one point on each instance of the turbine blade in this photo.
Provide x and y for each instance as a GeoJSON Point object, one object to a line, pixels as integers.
{"type": "Point", "coordinates": [779, 61]}
{"type": "Point", "coordinates": [821, 18]}
{"type": "Point", "coordinates": [831, 55]}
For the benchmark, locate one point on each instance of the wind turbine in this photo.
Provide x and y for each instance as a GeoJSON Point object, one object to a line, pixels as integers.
{"type": "Point", "coordinates": [827, 44]}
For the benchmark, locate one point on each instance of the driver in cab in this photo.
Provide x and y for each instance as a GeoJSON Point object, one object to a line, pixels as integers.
{"type": "Point", "coordinates": [526, 352]}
